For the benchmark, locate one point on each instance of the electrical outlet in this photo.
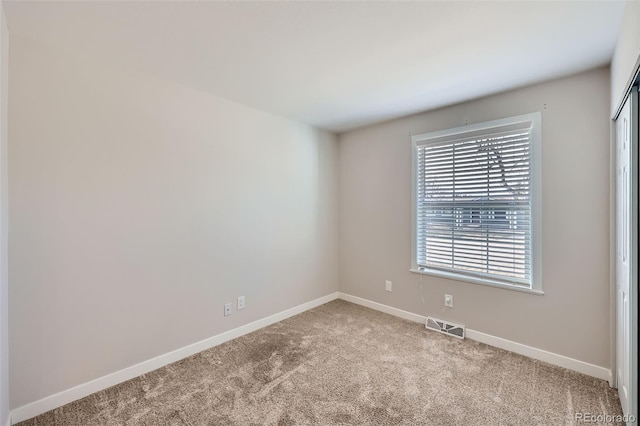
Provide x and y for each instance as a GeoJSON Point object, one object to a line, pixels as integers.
{"type": "Point", "coordinates": [448, 301]}
{"type": "Point", "coordinates": [227, 309]}
{"type": "Point", "coordinates": [240, 302]}
{"type": "Point", "coordinates": [388, 285]}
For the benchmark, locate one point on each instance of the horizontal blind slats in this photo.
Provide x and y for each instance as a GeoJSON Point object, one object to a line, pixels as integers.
{"type": "Point", "coordinates": [473, 204]}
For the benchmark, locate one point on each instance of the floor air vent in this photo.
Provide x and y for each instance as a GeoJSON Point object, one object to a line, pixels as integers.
{"type": "Point", "coordinates": [445, 327]}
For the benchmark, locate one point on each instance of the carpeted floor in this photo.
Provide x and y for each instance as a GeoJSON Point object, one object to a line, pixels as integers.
{"type": "Point", "coordinates": [345, 364]}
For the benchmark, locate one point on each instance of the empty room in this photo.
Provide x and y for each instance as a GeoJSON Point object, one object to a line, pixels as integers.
{"type": "Point", "coordinates": [318, 212]}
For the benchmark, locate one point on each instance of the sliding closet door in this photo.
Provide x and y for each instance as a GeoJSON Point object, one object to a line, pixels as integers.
{"type": "Point", "coordinates": [626, 252]}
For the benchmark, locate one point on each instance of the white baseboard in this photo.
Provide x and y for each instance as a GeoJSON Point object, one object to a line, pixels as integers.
{"type": "Point", "coordinates": [592, 370]}
{"type": "Point", "coordinates": [61, 398]}
{"type": "Point", "coordinates": [383, 308]}
{"type": "Point", "coordinates": [498, 342]}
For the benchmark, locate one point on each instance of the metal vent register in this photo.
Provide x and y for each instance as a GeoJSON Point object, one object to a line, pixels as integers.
{"type": "Point", "coordinates": [445, 327]}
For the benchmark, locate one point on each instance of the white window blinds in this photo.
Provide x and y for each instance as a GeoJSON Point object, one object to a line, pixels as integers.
{"type": "Point", "coordinates": [473, 202]}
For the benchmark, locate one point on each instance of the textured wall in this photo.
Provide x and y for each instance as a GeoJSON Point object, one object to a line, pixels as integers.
{"type": "Point", "coordinates": [139, 207]}
{"type": "Point", "coordinates": [572, 317]}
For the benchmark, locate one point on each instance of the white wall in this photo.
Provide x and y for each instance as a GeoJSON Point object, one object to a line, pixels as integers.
{"type": "Point", "coordinates": [572, 317]}
{"type": "Point", "coordinates": [627, 54]}
{"type": "Point", "coordinates": [139, 207]}
{"type": "Point", "coordinates": [4, 221]}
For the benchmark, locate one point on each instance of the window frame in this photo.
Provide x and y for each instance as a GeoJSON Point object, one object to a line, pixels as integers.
{"type": "Point", "coordinates": [535, 196]}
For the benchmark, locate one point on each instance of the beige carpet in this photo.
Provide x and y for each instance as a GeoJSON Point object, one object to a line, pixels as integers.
{"type": "Point", "coordinates": [344, 364]}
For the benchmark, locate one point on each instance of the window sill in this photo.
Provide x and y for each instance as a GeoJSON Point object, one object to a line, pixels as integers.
{"type": "Point", "coordinates": [475, 280]}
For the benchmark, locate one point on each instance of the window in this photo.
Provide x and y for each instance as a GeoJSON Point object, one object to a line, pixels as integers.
{"type": "Point", "coordinates": [476, 203]}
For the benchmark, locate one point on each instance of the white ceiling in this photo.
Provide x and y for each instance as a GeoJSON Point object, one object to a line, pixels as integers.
{"type": "Point", "coordinates": [335, 65]}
